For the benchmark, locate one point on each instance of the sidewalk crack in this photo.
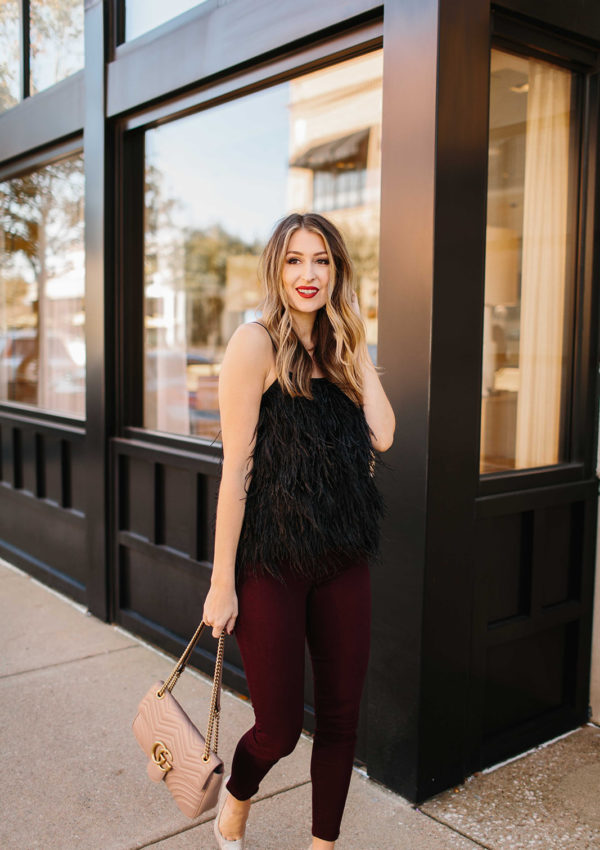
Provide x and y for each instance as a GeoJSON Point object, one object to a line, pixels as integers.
{"type": "Point", "coordinates": [198, 823]}
{"type": "Point", "coordinates": [63, 663]}
{"type": "Point", "coordinates": [455, 829]}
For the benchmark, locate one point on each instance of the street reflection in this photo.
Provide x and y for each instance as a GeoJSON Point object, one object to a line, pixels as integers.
{"type": "Point", "coordinates": [42, 345]}
{"type": "Point", "coordinates": [216, 182]}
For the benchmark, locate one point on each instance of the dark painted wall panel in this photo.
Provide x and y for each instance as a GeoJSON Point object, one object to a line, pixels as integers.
{"type": "Point", "coordinates": [164, 590]}
{"type": "Point", "coordinates": [562, 553]}
{"type": "Point", "coordinates": [139, 493]}
{"type": "Point", "coordinates": [47, 534]}
{"type": "Point", "coordinates": [179, 509]}
{"type": "Point", "coordinates": [53, 469]}
{"type": "Point", "coordinates": [503, 551]}
{"type": "Point", "coordinates": [28, 460]}
{"type": "Point", "coordinates": [525, 679]}
{"type": "Point", "coordinates": [76, 482]}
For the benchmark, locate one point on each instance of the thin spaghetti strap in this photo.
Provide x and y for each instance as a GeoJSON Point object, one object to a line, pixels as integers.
{"type": "Point", "coordinates": [254, 322]}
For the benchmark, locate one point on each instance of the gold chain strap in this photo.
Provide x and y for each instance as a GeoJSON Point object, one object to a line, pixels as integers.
{"type": "Point", "coordinates": [215, 700]}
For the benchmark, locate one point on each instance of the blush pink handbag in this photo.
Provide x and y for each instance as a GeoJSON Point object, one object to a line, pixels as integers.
{"type": "Point", "coordinates": [178, 754]}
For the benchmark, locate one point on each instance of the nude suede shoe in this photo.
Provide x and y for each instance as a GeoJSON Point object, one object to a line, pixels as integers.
{"type": "Point", "coordinates": [223, 843]}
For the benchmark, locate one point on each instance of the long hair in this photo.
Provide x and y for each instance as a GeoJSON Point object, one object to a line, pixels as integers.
{"type": "Point", "coordinates": [339, 335]}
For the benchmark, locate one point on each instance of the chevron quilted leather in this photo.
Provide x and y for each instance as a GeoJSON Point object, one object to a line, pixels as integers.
{"type": "Point", "coordinates": [193, 783]}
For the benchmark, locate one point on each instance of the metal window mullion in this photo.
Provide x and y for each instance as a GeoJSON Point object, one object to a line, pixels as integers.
{"type": "Point", "coordinates": [25, 49]}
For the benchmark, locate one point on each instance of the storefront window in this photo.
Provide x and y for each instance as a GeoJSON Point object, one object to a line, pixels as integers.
{"type": "Point", "coordinates": [144, 15]}
{"type": "Point", "coordinates": [216, 183]}
{"type": "Point", "coordinates": [529, 262]}
{"type": "Point", "coordinates": [56, 36]}
{"type": "Point", "coordinates": [10, 56]}
{"type": "Point", "coordinates": [42, 344]}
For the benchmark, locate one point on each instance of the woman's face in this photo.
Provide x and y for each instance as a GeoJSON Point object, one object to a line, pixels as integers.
{"type": "Point", "coordinates": [306, 271]}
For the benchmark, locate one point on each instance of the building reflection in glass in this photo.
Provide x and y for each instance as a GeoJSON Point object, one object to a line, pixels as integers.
{"type": "Point", "coordinates": [42, 343]}
{"type": "Point", "coordinates": [216, 183]}
{"type": "Point", "coordinates": [56, 37]}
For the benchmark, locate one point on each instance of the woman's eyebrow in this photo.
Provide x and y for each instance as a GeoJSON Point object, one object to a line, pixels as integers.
{"type": "Point", "coordinates": [300, 254]}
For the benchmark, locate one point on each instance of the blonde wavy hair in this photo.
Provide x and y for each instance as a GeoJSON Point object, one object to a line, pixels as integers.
{"type": "Point", "coordinates": [339, 334]}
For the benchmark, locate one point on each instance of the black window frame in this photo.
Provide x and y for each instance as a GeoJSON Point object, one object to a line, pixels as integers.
{"type": "Point", "coordinates": [25, 165]}
{"type": "Point", "coordinates": [130, 130]}
{"type": "Point", "coordinates": [522, 38]}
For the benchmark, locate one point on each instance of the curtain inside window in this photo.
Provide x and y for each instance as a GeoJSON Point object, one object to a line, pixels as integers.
{"type": "Point", "coordinates": [543, 277]}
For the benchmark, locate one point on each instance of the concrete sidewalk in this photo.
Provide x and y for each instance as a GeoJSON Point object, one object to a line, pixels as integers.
{"type": "Point", "coordinates": [74, 776]}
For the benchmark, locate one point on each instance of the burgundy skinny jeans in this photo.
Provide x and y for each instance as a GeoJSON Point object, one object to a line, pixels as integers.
{"type": "Point", "coordinates": [273, 623]}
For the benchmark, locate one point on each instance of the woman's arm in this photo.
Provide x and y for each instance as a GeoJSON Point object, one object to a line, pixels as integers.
{"type": "Point", "coordinates": [378, 410]}
{"type": "Point", "coordinates": [241, 382]}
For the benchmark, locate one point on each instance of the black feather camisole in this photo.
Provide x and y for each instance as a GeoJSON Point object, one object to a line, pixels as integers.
{"type": "Point", "coordinates": [312, 504]}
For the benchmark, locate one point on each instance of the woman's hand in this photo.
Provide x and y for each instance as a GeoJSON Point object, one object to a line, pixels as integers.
{"type": "Point", "coordinates": [220, 609]}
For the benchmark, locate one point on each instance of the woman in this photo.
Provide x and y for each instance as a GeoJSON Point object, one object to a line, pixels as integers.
{"type": "Point", "coordinates": [303, 418]}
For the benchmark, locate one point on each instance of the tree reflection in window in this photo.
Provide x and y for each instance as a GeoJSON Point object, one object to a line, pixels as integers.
{"type": "Point", "coordinates": [10, 57]}
{"type": "Point", "coordinates": [42, 346]}
{"type": "Point", "coordinates": [56, 38]}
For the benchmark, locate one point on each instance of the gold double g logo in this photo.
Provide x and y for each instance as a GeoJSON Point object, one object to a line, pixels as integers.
{"type": "Point", "coordinates": [162, 756]}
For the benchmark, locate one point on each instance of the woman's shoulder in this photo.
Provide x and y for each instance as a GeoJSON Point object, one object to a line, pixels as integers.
{"type": "Point", "coordinates": [248, 352]}
{"type": "Point", "coordinates": [250, 340]}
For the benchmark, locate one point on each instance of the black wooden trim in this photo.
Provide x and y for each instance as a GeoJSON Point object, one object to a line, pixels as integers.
{"type": "Point", "coordinates": [39, 159]}
{"type": "Point", "coordinates": [211, 41]}
{"type": "Point", "coordinates": [116, 34]}
{"type": "Point", "coordinates": [527, 39]}
{"type": "Point", "coordinates": [349, 43]}
{"type": "Point", "coordinates": [576, 21]}
{"type": "Point", "coordinates": [159, 552]}
{"type": "Point", "coordinates": [42, 509]}
{"type": "Point", "coordinates": [163, 440]}
{"type": "Point", "coordinates": [527, 479]}
{"type": "Point", "coordinates": [198, 461]}
{"type": "Point", "coordinates": [410, 74]}
{"type": "Point", "coordinates": [44, 422]}
{"type": "Point", "coordinates": [25, 49]}
{"type": "Point", "coordinates": [516, 501]}
{"type": "Point", "coordinates": [129, 282]}
{"type": "Point", "coordinates": [53, 114]}
{"type": "Point", "coordinates": [461, 161]}
{"type": "Point", "coordinates": [529, 734]}
{"type": "Point", "coordinates": [523, 34]}
{"type": "Point", "coordinates": [588, 308]}
{"type": "Point", "coordinates": [42, 571]}
{"type": "Point", "coordinates": [98, 386]}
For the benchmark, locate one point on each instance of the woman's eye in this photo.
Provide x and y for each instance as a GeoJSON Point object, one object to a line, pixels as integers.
{"type": "Point", "coordinates": [325, 261]}
{"type": "Point", "coordinates": [293, 260]}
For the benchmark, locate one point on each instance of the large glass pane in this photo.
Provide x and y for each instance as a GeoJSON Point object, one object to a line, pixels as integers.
{"type": "Point", "coordinates": [42, 346]}
{"type": "Point", "coordinates": [529, 260]}
{"type": "Point", "coordinates": [56, 41]}
{"type": "Point", "coordinates": [216, 183]}
{"type": "Point", "coordinates": [144, 15]}
{"type": "Point", "coordinates": [10, 55]}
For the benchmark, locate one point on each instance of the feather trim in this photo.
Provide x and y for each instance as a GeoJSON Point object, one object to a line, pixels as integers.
{"type": "Point", "coordinates": [311, 502]}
